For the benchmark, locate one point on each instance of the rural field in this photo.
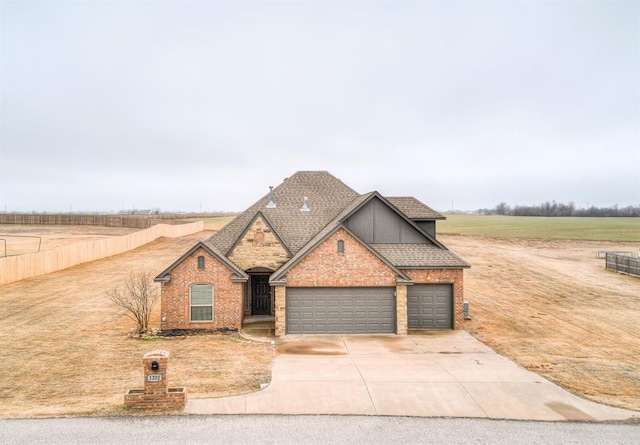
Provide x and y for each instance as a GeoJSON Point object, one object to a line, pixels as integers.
{"type": "Point", "coordinates": [23, 239]}
{"type": "Point", "coordinates": [65, 350]}
{"type": "Point", "coordinates": [545, 302]}
{"type": "Point", "coordinates": [549, 304]}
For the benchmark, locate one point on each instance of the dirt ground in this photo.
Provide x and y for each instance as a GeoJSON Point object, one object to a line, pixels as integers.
{"type": "Point", "coordinates": [64, 347]}
{"type": "Point", "coordinates": [548, 305]}
{"type": "Point", "coordinates": [553, 308]}
{"type": "Point", "coordinates": [24, 239]}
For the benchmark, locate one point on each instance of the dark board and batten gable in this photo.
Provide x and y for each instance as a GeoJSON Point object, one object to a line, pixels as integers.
{"type": "Point", "coordinates": [377, 223]}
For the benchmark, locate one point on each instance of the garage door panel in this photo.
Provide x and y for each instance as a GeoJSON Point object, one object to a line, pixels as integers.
{"type": "Point", "coordinates": [430, 306]}
{"type": "Point", "coordinates": [340, 310]}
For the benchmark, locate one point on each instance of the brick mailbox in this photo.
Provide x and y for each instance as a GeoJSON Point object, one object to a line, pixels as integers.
{"type": "Point", "coordinates": [156, 393]}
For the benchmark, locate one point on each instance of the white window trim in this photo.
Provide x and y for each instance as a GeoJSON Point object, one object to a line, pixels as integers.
{"type": "Point", "coordinates": [201, 305]}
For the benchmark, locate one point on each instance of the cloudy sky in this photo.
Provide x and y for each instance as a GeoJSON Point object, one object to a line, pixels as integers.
{"type": "Point", "coordinates": [201, 105]}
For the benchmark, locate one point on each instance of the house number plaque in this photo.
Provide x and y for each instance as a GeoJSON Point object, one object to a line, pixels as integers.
{"type": "Point", "coordinates": [154, 378]}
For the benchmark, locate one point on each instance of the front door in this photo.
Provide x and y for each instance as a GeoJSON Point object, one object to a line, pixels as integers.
{"type": "Point", "coordinates": [260, 295]}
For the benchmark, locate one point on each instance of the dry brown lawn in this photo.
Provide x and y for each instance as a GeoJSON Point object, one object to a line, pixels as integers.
{"type": "Point", "coordinates": [64, 347]}
{"type": "Point", "coordinates": [553, 308]}
{"type": "Point", "coordinates": [24, 239]}
{"type": "Point", "coordinates": [549, 305]}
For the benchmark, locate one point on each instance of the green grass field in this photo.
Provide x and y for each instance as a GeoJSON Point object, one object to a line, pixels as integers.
{"type": "Point", "coordinates": [538, 227]}
{"type": "Point", "coordinates": [595, 229]}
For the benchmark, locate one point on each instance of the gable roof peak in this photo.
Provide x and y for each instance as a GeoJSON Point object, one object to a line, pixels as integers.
{"type": "Point", "coordinates": [326, 197]}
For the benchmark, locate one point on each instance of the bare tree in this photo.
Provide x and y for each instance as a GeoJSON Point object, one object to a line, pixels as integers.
{"type": "Point", "coordinates": [137, 298]}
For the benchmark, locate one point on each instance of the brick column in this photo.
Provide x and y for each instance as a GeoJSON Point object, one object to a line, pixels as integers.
{"type": "Point", "coordinates": [280, 297]}
{"type": "Point", "coordinates": [155, 372]}
{"type": "Point", "coordinates": [156, 393]}
{"type": "Point", "coordinates": [401, 309]}
{"type": "Point", "coordinates": [458, 299]}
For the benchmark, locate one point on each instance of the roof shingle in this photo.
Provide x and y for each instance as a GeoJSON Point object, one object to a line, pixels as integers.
{"type": "Point", "coordinates": [327, 197]}
{"type": "Point", "coordinates": [419, 256]}
{"type": "Point", "coordinates": [414, 208]}
{"type": "Point", "coordinates": [330, 201]}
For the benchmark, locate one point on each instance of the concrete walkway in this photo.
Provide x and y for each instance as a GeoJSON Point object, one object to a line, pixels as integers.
{"type": "Point", "coordinates": [443, 374]}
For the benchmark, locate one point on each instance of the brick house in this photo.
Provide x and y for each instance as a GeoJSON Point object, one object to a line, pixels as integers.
{"type": "Point", "coordinates": [319, 258]}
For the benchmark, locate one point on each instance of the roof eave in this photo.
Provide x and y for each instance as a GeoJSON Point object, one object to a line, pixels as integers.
{"type": "Point", "coordinates": [258, 214]}
{"type": "Point", "coordinates": [279, 274]}
{"type": "Point", "coordinates": [439, 218]}
{"type": "Point", "coordinates": [165, 276]}
{"type": "Point", "coordinates": [465, 266]}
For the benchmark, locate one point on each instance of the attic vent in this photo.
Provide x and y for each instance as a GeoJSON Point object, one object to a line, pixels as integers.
{"type": "Point", "coordinates": [271, 204]}
{"type": "Point", "coordinates": [305, 207]}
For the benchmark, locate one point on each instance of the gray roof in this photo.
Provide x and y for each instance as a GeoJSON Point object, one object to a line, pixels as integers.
{"type": "Point", "coordinates": [416, 255]}
{"type": "Point", "coordinates": [327, 197]}
{"type": "Point", "coordinates": [414, 208]}
{"type": "Point", "coordinates": [330, 202]}
{"type": "Point", "coordinates": [325, 232]}
{"type": "Point", "coordinates": [419, 256]}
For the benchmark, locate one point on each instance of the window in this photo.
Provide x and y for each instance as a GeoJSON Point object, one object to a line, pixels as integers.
{"type": "Point", "coordinates": [200, 262]}
{"type": "Point", "coordinates": [201, 302]}
{"type": "Point", "coordinates": [340, 246]}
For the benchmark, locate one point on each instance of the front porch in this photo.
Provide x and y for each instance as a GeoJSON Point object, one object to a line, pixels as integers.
{"type": "Point", "coordinates": [259, 327]}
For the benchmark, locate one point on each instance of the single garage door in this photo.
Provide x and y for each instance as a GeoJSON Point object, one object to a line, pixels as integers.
{"type": "Point", "coordinates": [362, 310]}
{"type": "Point", "coordinates": [430, 306]}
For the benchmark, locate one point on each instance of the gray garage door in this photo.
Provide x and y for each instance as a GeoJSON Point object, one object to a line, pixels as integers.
{"type": "Point", "coordinates": [341, 310]}
{"type": "Point", "coordinates": [430, 306]}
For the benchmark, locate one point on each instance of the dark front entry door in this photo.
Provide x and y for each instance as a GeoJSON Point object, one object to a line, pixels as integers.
{"type": "Point", "coordinates": [260, 295]}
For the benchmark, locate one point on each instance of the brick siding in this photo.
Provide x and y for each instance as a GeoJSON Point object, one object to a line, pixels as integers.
{"type": "Point", "coordinates": [227, 296]}
{"type": "Point", "coordinates": [325, 267]}
{"type": "Point", "coordinates": [356, 267]}
{"type": "Point", "coordinates": [443, 276]}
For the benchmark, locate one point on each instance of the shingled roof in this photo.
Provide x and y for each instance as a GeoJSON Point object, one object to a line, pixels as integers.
{"type": "Point", "coordinates": [407, 256]}
{"type": "Point", "coordinates": [330, 201]}
{"type": "Point", "coordinates": [414, 208]}
{"type": "Point", "coordinates": [326, 195]}
{"type": "Point", "coordinates": [397, 256]}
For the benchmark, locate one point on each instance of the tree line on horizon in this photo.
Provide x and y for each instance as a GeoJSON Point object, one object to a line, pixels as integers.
{"type": "Point", "coordinates": [560, 209]}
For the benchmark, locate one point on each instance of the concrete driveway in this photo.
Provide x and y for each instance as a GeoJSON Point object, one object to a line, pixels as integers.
{"type": "Point", "coordinates": [442, 374]}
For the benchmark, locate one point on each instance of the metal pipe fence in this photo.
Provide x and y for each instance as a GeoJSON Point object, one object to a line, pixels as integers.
{"type": "Point", "coordinates": [623, 264]}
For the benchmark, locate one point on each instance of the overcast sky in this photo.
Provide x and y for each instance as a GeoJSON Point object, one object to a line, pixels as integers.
{"type": "Point", "coordinates": [201, 105]}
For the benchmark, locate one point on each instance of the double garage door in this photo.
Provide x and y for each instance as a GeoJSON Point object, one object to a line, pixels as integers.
{"type": "Point", "coordinates": [362, 310]}
{"type": "Point", "coordinates": [430, 306]}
